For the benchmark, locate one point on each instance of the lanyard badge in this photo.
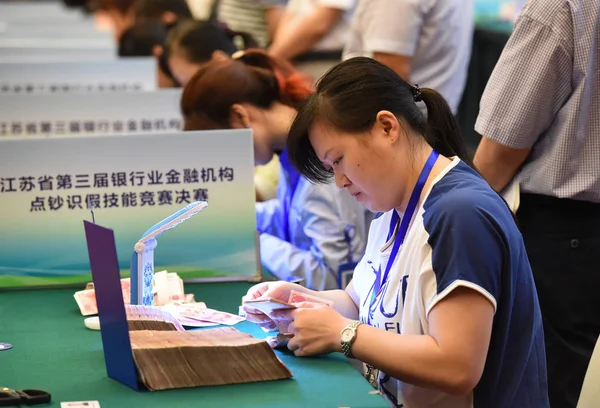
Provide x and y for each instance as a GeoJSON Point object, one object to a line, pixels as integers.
{"type": "Point", "coordinates": [402, 230]}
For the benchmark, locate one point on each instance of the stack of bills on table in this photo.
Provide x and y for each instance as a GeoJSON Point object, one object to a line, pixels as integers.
{"type": "Point", "coordinates": [140, 317]}
{"type": "Point", "coordinates": [167, 356]}
{"type": "Point", "coordinates": [168, 288]}
{"type": "Point", "coordinates": [219, 356]}
{"type": "Point", "coordinates": [198, 315]}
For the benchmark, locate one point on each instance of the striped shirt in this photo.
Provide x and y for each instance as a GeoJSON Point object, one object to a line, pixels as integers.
{"type": "Point", "coordinates": [544, 95]}
{"type": "Point", "coordinates": [248, 16]}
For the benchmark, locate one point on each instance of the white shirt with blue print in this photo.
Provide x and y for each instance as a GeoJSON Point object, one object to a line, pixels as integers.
{"type": "Point", "coordinates": [462, 235]}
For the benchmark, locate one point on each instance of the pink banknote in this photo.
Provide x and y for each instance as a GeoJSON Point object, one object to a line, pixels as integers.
{"type": "Point", "coordinates": [86, 299]}
{"type": "Point", "coordinates": [297, 297]}
{"type": "Point", "coordinates": [213, 316]}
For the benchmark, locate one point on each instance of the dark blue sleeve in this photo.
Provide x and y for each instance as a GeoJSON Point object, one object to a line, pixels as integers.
{"type": "Point", "coordinates": [467, 241]}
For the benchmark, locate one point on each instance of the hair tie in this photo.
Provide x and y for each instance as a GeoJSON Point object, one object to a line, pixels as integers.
{"type": "Point", "coordinates": [416, 92]}
{"type": "Point", "coordinates": [238, 54]}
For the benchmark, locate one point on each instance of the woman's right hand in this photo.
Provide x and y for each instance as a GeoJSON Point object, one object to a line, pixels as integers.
{"type": "Point", "coordinates": [279, 290]}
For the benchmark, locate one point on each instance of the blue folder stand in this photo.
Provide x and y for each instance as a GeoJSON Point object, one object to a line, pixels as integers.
{"type": "Point", "coordinates": [104, 264]}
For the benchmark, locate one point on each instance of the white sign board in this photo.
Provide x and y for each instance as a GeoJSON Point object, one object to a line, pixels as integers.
{"type": "Point", "coordinates": [49, 185]}
{"type": "Point", "coordinates": [90, 113]}
{"type": "Point", "coordinates": [42, 12]}
{"type": "Point", "coordinates": [78, 30]}
{"type": "Point", "coordinates": [127, 74]}
{"type": "Point", "coordinates": [33, 49]}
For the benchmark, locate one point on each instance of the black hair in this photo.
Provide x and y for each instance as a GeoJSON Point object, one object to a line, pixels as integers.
{"type": "Point", "coordinates": [253, 77]}
{"type": "Point", "coordinates": [198, 40]}
{"type": "Point", "coordinates": [349, 97]}
{"type": "Point", "coordinates": [154, 9]}
{"type": "Point", "coordinates": [87, 7]}
{"type": "Point", "coordinates": [140, 39]}
{"type": "Point", "coordinates": [75, 3]}
{"type": "Point", "coordinates": [123, 6]}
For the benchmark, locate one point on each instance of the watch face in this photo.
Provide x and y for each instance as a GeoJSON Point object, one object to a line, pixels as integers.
{"type": "Point", "coordinates": [347, 335]}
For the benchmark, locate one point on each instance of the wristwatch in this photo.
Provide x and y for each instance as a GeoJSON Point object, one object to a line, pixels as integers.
{"type": "Point", "coordinates": [348, 335]}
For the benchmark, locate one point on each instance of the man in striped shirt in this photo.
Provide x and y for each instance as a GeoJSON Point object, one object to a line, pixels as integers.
{"type": "Point", "coordinates": [540, 121]}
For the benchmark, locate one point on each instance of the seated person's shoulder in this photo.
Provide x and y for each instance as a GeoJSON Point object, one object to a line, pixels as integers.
{"type": "Point", "coordinates": [464, 197]}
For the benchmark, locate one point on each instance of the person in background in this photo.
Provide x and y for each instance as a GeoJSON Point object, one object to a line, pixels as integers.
{"type": "Point", "coordinates": [125, 13]}
{"type": "Point", "coordinates": [444, 246]}
{"type": "Point", "coordinates": [431, 46]}
{"type": "Point", "coordinates": [76, 3]}
{"type": "Point", "coordinates": [540, 121]}
{"type": "Point", "coordinates": [266, 179]}
{"type": "Point", "coordinates": [130, 12]}
{"type": "Point", "coordinates": [119, 14]}
{"type": "Point", "coordinates": [83, 5]}
{"type": "Point", "coordinates": [312, 34]}
{"type": "Point", "coordinates": [148, 38]}
{"type": "Point", "coordinates": [167, 11]}
{"type": "Point", "coordinates": [259, 18]}
{"type": "Point", "coordinates": [309, 231]}
{"type": "Point", "coordinates": [192, 43]}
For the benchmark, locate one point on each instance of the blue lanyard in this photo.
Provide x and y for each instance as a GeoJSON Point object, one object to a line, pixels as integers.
{"type": "Point", "coordinates": [292, 179]}
{"type": "Point", "coordinates": [403, 229]}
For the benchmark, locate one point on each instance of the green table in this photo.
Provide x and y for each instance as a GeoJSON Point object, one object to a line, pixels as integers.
{"type": "Point", "coordinates": [54, 351]}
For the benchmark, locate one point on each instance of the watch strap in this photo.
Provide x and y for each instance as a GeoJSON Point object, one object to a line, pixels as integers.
{"type": "Point", "coordinates": [347, 345]}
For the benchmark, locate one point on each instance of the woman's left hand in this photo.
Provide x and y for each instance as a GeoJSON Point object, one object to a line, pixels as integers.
{"type": "Point", "coordinates": [316, 328]}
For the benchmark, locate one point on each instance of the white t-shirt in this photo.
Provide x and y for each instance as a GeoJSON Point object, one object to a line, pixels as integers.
{"type": "Point", "coordinates": [461, 235]}
{"type": "Point", "coordinates": [336, 39]}
{"type": "Point", "coordinates": [437, 34]}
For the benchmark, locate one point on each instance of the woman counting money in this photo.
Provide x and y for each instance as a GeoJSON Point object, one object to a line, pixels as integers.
{"type": "Point", "coordinates": [308, 231]}
{"type": "Point", "coordinates": [442, 309]}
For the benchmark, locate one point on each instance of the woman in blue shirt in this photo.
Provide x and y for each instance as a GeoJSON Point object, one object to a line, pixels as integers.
{"type": "Point", "coordinates": [442, 308]}
{"type": "Point", "coordinates": [312, 232]}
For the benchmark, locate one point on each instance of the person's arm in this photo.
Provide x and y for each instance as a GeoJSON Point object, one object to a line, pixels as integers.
{"type": "Point", "coordinates": [391, 43]}
{"type": "Point", "coordinates": [457, 279]}
{"type": "Point", "coordinates": [273, 16]}
{"type": "Point", "coordinates": [269, 216]}
{"type": "Point", "coordinates": [284, 24]}
{"type": "Point", "coordinates": [401, 64]}
{"type": "Point", "coordinates": [302, 36]}
{"type": "Point", "coordinates": [451, 358]}
{"type": "Point", "coordinates": [529, 85]}
{"type": "Point", "coordinates": [344, 301]}
{"type": "Point", "coordinates": [498, 164]}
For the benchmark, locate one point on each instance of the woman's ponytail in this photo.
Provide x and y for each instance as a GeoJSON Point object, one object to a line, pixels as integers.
{"type": "Point", "coordinates": [442, 131]}
{"type": "Point", "coordinates": [293, 86]}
